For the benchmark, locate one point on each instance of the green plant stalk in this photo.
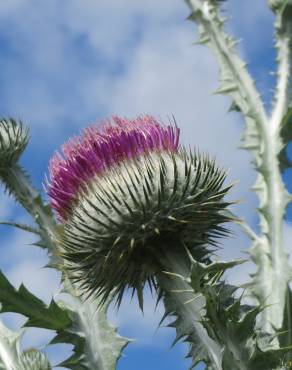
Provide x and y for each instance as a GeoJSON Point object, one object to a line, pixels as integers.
{"type": "Point", "coordinates": [262, 138]}
{"type": "Point", "coordinates": [229, 322]}
{"type": "Point", "coordinates": [191, 321]}
{"type": "Point", "coordinates": [100, 339]}
{"type": "Point", "coordinates": [18, 184]}
{"type": "Point", "coordinates": [181, 301]}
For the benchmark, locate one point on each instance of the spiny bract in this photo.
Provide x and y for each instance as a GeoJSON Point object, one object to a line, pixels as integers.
{"type": "Point", "coordinates": [13, 141]}
{"type": "Point", "coordinates": [128, 194]}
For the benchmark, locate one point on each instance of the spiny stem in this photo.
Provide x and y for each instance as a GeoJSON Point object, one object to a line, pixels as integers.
{"type": "Point", "coordinates": [249, 100]}
{"type": "Point", "coordinates": [18, 183]}
{"type": "Point", "coordinates": [283, 93]}
{"type": "Point", "coordinates": [187, 307]}
{"type": "Point", "coordinates": [264, 141]}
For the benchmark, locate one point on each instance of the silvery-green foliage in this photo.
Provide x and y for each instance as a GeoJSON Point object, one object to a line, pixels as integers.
{"type": "Point", "coordinates": [96, 345]}
{"type": "Point", "coordinates": [222, 331]}
{"type": "Point", "coordinates": [188, 307]}
{"type": "Point", "coordinates": [230, 324]}
{"type": "Point", "coordinates": [266, 138]}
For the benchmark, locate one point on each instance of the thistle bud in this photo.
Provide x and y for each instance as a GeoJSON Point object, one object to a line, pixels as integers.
{"type": "Point", "coordinates": [13, 141]}
{"type": "Point", "coordinates": [34, 360]}
{"type": "Point", "coordinates": [127, 194]}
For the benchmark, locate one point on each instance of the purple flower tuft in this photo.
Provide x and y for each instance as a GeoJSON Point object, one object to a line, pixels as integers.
{"type": "Point", "coordinates": [100, 147]}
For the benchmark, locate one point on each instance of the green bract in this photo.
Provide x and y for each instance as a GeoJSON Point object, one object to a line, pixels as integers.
{"type": "Point", "coordinates": [124, 222]}
{"type": "Point", "coordinates": [13, 141]}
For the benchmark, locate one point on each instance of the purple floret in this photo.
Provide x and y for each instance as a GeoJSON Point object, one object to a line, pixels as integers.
{"type": "Point", "coordinates": [100, 147]}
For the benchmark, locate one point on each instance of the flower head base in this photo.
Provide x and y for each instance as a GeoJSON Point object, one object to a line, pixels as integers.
{"type": "Point", "coordinates": [123, 220]}
{"type": "Point", "coordinates": [13, 141]}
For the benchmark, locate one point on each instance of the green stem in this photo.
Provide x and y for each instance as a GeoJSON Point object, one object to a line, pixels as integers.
{"type": "Point", "coordinates": [18, 183]}
{"type": "Point", "coordinates": [201, 324]}
{"type": "Point", "coordinates": [263, 139]}
{"type": "Point", "coordinates": [182, 302]}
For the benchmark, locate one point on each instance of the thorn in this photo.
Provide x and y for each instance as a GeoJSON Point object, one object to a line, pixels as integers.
{"type": "Point", "coordinates": [116, 241]}
{"type": "Point", "coordinates": [140, 298]}
{"type": "Point", "coordinates": [226, 88]}
{"type": "Point", "coordinates": [157, 231]}
{"type": "Point", "coordinates": [194, 298]}
{"type": "Point", "coordinates": [132, 243]}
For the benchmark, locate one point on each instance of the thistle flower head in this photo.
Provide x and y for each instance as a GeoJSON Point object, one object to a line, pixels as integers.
{"type": "Point", "coordinates": [13, 141]}
{"type": "Point", "coordinates": [127, 194]}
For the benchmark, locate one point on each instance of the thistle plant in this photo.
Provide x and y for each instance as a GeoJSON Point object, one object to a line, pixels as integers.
{"type": "Point", "coordinates": [130, 207]}
{"type": "Point", "coordinates": [132, 199]}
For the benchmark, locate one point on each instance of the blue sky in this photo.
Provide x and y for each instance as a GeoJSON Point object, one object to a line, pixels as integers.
{"type": "Point", "coordinates": [66, 64]}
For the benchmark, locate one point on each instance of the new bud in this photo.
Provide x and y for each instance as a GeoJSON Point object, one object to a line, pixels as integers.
{"type": "Point", "coordinates": [34, 360]}
{"type": "Point", "coordinates": [128, 195]}
{"type": "Point", "coordinates": [13, 141]}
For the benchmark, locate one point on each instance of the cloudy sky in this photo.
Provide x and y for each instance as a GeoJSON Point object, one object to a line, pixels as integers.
{"type": "Point", "coordinates": [65, 64]}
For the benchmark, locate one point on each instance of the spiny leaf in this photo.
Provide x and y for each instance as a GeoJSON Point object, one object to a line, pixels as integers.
{"type": "Point", "coordinates": [228, 322]}
{"type": "Point", "coordinates": [235, 328]}
{"type": "Point", "coordinates": [187, 322]}
{"type": "Point", "coordinates": [23, 302]}
{"type": "Point", "coordinates": [96, 344]}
